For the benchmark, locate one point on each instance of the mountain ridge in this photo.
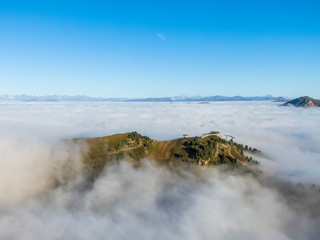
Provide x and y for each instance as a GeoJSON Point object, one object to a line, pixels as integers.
{"type": "Point", "coordinates": [209, 150]}
{"type": "Point", "coordinates": [305, 102]}
{"type": "Point", "coordinates": [62, 98]}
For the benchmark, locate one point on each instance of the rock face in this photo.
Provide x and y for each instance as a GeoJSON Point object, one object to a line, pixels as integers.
{"type": "Point", "coordinates": [304, 102]}
{"type": "Point", "coordinates": [210, 150]}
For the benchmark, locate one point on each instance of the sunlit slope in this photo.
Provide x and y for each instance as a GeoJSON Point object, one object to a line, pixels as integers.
{"type": "Point", "coordinates": [304, 102]}
{"type": "Point", "coordinates": [208, 151]}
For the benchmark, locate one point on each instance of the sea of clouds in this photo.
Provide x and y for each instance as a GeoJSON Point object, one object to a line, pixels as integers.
{"type": "Point", "coordinates": [44, 193]}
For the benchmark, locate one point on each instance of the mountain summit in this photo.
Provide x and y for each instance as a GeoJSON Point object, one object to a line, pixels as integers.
{"type": "Point", "coordinates": [304, 102]}
{"type": "Point", "coordinates": [209, 149]}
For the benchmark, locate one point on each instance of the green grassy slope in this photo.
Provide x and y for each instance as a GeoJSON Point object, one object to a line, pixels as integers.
{"type": "Point", "coordinates": [208, 151]}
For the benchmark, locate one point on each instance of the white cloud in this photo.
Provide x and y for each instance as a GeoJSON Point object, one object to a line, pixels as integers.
{"type": "Point", "coordinates": [43, 193]}
{"type": "Point", "coordinates": [161, 36]}
{"type": "Point", "coordinates": [289, 135]}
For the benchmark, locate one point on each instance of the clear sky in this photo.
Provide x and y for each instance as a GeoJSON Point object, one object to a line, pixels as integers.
{"type": "Point", "coordinates": [160, 48]}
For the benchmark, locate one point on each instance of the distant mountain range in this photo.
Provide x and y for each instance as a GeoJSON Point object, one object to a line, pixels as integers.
{"type": "Point", "coordinates": [62, 98]}
{"type": "Point", "coordinates": [304, 102]}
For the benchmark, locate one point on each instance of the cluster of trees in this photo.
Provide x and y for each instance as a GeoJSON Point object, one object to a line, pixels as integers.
{"type": "Point", "coordinates": [134, 136]}
{"type": "Point", "coordinates": [241, 148]}
{"type": "Point", "coordinates": [251, 160]}
{"type": "Point", "coordinates": [219, 140]}
{"type": "Point", "coordinates": [132, 139]}
{"type": "Point", "coordinates": [198, 149]}
{"type": "Point", "coordinates": [137, 137]}
{"type": "Point", "coordinates": [223, 159]}
{"type": "Point", "coordinates": [204, 149]}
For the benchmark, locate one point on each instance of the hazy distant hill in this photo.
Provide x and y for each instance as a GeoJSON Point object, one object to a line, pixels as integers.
{"type": "Point", "coordinates": [206, 99]}
{"type": "Point", "coordinates": [203, 151]}
{"type": "Point", "coordinates": [304, 102]}
{"type": "Point", "coordinates": [55, 98]}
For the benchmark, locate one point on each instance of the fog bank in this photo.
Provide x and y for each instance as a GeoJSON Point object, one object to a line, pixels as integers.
{"type": "Point", "coordinates": [154, 203]}
{"type": "Point", "coordinates": [289, 136]}
{"type": "Point", "coordinates": [44, 193]}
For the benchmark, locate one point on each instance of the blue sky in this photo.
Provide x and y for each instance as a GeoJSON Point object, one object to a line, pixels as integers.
{"type": "Point", "coordinates": [160, 48]}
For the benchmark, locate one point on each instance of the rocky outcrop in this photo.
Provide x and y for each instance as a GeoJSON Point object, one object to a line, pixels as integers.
{"type": "Point", "coordinates": [306, 102]}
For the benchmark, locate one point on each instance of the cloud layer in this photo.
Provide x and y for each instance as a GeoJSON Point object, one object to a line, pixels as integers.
{"type": "Point", "coordinates": [289, 136]}
{"type": "Point", "coordinates": [44, 194]}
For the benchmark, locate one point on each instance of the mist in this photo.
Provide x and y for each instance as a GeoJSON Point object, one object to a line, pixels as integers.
{"type": "Point", "coordinates": [44, 192]}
